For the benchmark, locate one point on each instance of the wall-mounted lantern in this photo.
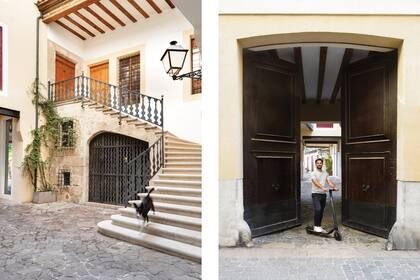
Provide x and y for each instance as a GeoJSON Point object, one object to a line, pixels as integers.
{"type": "Point", "coordinates": [173, 60]}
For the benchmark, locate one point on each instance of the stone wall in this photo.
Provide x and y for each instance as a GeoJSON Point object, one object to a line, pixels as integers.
{"type": "Point", "coordinates": [87, 123]}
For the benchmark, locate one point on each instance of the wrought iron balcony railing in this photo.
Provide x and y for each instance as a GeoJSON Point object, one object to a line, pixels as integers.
{"type": "Point", "coordinates": [134, 103]}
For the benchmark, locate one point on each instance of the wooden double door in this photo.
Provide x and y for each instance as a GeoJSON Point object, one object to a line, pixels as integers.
{"type": "Point", "coordinates": [271, 143]}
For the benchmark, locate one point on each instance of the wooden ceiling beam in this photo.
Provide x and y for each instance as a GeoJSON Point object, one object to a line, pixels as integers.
{"type": "Point", "coordinates": [169, 2]}
{"type": "Point", "coordinates": [123, 10]}
{"type": "Point", "coordinates": [154, 6]}
{"type": "Point", "coordinates": [138, 8]}
{"type": "Point", "coordinates": [66, 9]}
{"type": "Point", "coordinates": [69, 29]}
{"type": "Point", "coordinates": [108, 12]}
{"type": "Point", "coordinates": [298, 60]}
{"type": "Point", "coordinates": [88, 21]}
{"type": "Point", "coordinates": [98, 17]}
{"type": "Point", "coordinates": [338, 83]}
{"type": "Point", "coordinates": [80, 26]}
{"type": "Point", "coordinates": [321, 72]}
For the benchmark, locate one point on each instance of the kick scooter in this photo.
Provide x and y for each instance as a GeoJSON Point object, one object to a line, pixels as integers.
{"type": "Point", "coordinates": [334, 230]}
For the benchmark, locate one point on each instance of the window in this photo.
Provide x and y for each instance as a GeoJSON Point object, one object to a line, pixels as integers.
{"type": "Point", "coordinates": [64, 178]}
{"type": "Point", "coordinates": [129, 77]}
{"type": "Point", "coordinates": [67, 134]}
{"type": "Point", "coordinates": [1, 59]}
{"type": "Point", "coordinates": [195, 65]}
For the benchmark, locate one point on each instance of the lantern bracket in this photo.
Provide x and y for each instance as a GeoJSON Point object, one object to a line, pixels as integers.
{"type": "Point", "coordinates": [193, 75]}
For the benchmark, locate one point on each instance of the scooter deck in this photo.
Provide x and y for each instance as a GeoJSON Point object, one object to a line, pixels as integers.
{"type": "Point", "coordinates": [310, 230]}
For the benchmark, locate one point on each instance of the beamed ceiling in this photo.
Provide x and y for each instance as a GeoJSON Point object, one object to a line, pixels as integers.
{"type": "Point", "coordinates": [89, 18]}
{"type": "Point", "coordinates": [321, 67]}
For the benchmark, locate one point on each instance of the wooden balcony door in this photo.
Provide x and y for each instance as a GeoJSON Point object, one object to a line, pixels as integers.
{"type": "Point", "coordinates": [64, 74]}
{"type": "Point", "coordinates": [99, 83]}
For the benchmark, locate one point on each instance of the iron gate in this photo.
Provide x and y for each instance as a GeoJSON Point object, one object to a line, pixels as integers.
{"type": "Point", "coordinates": [109, 154]}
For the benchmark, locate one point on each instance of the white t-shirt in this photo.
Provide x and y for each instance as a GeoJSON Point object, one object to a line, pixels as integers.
{"type": "Point", "coordinates": [321, 176]}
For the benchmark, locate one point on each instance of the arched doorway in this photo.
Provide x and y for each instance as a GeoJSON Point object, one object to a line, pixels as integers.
{"type": "Point", "coordinates": [108, 155]}
{"type": "Point", "coordinates": [272, 108]}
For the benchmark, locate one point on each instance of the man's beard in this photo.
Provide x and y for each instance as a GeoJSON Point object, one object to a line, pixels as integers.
{"type": "Point", "coordinates": [319, 168]}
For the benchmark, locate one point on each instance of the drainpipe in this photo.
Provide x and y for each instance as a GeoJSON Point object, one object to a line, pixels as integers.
{"type": "Point", "coordinates": [37, 89]}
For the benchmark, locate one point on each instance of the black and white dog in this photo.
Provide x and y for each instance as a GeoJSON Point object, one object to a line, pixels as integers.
{"type": "Point", "coordinates": [144, 207]}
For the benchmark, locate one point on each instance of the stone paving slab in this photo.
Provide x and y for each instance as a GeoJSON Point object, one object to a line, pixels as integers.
{"type": "Point", "coordinates": [293, 254]}
{"type": "Point", "coordinates": [60, 241]}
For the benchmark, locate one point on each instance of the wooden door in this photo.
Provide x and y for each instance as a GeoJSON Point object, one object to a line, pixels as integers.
{"type": "Point", "coordinates": [99, 83]}
{"type": "Point", "coordinates": [369, 107]}
{"type": "Point", "coordinates": [64, 77]}
{"type": "Point", "coordinates": [271, 149]}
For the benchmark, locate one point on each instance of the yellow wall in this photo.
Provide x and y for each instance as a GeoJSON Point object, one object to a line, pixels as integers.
{"type": "Point", "coordinates": [241, 31]}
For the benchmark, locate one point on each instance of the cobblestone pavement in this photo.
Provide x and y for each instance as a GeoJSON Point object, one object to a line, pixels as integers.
{"type": "Point", "coordinates": [60, 241]}
{"type": "Point", "coordinates": [293, 254]}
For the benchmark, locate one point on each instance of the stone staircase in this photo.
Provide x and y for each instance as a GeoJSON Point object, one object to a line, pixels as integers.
{"type": "Point", "coordinates": [175, 227]}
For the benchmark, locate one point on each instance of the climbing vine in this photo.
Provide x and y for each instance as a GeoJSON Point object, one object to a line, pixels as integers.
{"type": "Point", "coordinates": [40, 151]}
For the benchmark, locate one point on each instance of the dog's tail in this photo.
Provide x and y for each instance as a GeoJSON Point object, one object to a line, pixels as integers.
{"type": "Point", "coordinates": [150, 191]}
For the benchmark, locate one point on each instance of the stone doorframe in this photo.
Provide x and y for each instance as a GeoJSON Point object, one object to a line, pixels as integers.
{"type": "Point", "coordinates": [233, 230]}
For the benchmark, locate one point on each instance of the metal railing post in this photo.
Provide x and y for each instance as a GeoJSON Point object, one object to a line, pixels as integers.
{"type": "Point", "coordinates": [83, 88]}
{"type": "Point", "coordinates": [163, 133]}
{"type": "Point", "coordinates": [49, 91]}
{"type": "Point", "coordinates": [119, 109]}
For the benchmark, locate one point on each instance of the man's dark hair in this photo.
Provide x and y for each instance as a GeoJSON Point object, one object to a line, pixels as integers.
{"type": "Point", "coordinates": [319, 159]}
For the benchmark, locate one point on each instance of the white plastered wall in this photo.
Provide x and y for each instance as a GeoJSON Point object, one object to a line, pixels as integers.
{"type": "Point", "coordinates": [149, 37]}
{"type": "Point", "coordinates": [20, 63]}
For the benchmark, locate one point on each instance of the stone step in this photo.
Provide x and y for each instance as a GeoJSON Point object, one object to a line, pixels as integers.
{"type": "Point", "coordinates": [142, 125]}
{"type": "Point", "coordinates": [174, 199]}
{"type": "Point", "coordinates": [150, 241]}
{"type": "Point", "coordinates": [153, 128]}
{"type": "Point", "coordinates": [175, 220]}
{"type": "Point", "coordinates": [183, 165]}
{"type": "Point", "coordinates": [175, 183]}
{"type": "Point", "coordinates": [131, 121]}
{"type": "Point", "coordinates": [183, 154]}
{"type": "Point", "coordinates": [182, 159]}
{"type": "Point", "coordinates": [175, 140]}
{"type": "Point", "coordinates": [183, 235]}
{"type": "Point", "coordinates": [167, 170]}
{"type": "Point", "coordinates": [191, 192]}
{"type": "Point", "coordinates": [172, 144]}
{"type": "Point", "coordinates": [184, 210]}
{"type": "Point", "coordinates": [180, 176]}
{"type": "Point", "coordinates": [183, 149]}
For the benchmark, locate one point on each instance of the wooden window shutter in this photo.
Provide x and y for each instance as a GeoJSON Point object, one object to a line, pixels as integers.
{"type": "Point", "coordinates": [195, 65]}
{"type": "Point", "coordinates": [1, 58]}
{"type": "Point", "coordinates": [129, 77]}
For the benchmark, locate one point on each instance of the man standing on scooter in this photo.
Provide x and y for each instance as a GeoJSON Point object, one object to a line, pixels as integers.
{"type": "Point", "coordinates": [319, 196]}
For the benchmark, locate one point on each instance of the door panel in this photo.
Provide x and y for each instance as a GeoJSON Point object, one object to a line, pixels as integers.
{"type": "Point", "coordinates": [271, 143]}
{"type": "Point", "coordinates": [64, 73]}
{"type": "Point", "coordinates": [369, 144]}
{"type": "Point", "coordinates": [99, 83]}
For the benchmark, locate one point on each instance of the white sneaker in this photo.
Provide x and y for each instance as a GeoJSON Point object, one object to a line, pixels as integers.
{"type": "Point", "coordinates": [319, 229]}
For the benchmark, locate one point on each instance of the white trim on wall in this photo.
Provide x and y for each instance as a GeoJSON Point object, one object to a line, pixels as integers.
{"type": "Point", "coordinates": [5, 65]}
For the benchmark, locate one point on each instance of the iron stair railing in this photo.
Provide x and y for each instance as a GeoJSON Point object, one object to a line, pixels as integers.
{"type": "Point", "coordinates": [142, 168]}
{"type": "Point", "coordinates": [147, 108]}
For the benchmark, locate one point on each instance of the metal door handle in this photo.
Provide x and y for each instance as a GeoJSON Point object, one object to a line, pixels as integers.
{"type": "Point", "coordinates": [365, 188]}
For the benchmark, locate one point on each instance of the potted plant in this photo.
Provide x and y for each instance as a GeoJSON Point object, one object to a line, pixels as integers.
{"type": "Point", "coordinates": [39, 152]}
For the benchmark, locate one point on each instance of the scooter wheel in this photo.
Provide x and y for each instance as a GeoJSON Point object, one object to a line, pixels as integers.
{"type": "Point", "coordinates": [337, 235]}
